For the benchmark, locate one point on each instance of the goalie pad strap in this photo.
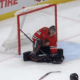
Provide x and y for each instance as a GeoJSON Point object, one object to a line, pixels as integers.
{"type": "Point", "coordinates": [36, 58]}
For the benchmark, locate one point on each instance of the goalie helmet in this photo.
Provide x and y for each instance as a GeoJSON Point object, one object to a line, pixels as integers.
{"type": "Point", "coordinates": [52, 28]}
{"type": "Point", "coordinates": [73, 76]}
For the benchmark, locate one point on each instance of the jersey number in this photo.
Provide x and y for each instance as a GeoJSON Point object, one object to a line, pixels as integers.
{"type": "Point", "coordinates": [38, 32]}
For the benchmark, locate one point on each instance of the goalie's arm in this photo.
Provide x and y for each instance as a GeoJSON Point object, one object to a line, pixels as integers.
{"type": "Point", "coordinates": [37, 41]}
{"type": "Point", "coordinates": [37, 35]}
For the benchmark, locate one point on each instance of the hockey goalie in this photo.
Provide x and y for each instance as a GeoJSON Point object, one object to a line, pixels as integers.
{"type": "Point", "coordinates": [45, 47]}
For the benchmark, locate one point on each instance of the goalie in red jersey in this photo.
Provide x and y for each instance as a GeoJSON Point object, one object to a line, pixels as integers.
{"type": "Point", "coordinates": [45, 46]}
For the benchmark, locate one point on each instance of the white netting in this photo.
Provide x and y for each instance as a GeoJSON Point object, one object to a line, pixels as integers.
{"type": "Point", "coordinates": [29, 23]}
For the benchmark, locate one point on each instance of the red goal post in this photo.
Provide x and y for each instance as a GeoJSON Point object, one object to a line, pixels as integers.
{"type": "Point", "coordinates": [32, 11]}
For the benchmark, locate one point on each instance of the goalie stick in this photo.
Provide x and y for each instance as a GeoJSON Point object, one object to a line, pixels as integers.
{"type": "Point", "coordinates": [26, 36]}
{"type": "Point", "coordinates": [49, 73]}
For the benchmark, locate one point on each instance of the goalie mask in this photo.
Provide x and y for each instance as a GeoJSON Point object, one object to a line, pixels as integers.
{"type": "Point", "coordinates": [52, 30]}
{"type": "Point", "coordinates": [74, 76]}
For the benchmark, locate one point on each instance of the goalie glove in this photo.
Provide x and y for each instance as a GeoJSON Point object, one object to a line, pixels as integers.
{"type": "Point", "coordinates": [37, 46]}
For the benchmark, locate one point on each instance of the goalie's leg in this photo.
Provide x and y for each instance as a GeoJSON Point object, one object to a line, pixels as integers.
{"type": "Point", "coordinates": [26, 56]}
{"type": "Point", "coordinates": [58, 57]}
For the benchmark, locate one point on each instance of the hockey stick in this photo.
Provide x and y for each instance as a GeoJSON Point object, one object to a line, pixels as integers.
{"type": "Point", "coordinates": [26, 36]}
{"type": "Point", "coordinates": [49, 73]}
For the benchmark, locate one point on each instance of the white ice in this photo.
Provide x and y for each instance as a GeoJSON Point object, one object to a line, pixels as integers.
{"type": "Point", "coordinates": [13, 67]}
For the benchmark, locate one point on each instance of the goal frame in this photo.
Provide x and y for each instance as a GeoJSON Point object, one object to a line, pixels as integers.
{"type": "Point", "coordinates": [31, 11]}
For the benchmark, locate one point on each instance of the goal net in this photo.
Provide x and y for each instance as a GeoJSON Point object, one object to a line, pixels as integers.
{"type": "Point", "coordinates": [29, 20]}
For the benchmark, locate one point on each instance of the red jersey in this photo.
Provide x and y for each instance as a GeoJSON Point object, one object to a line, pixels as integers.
{"type": "Point", "coordinates": [42, 34]}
